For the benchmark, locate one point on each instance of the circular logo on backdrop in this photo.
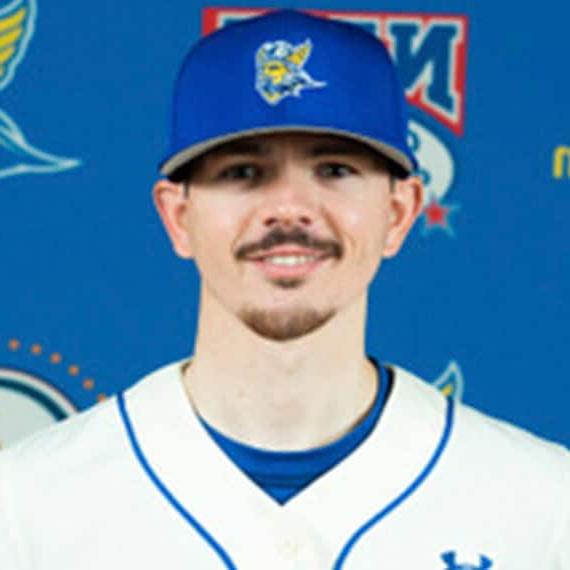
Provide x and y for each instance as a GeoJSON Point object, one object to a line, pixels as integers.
{"type": "Point", "coordinates": [39, 387]}
{"type": "Point", "coordinates": [28, 404]}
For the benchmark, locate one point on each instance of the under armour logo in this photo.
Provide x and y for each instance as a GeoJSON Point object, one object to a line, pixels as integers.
{"type": "Point", "coordinates": [450, 558]}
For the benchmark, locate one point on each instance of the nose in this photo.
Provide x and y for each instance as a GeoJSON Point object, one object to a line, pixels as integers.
{"type": "Point", "coordinates": [289, 200]}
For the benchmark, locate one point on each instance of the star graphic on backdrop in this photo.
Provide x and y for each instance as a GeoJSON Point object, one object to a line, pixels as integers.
{"type": "Point", "coordinates": [436, 216]}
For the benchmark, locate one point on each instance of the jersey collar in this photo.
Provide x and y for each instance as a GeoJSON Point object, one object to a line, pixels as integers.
{"type": "Point", "coordinates": [376, 479]}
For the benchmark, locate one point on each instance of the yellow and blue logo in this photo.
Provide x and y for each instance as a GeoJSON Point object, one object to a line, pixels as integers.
{"type": "Point", "coordinates": [17, 155]}
{"type": "Point", "coordinates": [280, 70]}
{"type": "Point", "coordinates": [17, 21]}
{"type": "Point", "coordinates": [450, 382]}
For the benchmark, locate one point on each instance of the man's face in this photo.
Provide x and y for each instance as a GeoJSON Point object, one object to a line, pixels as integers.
{"type": "Point", "coordinates": [288, 230]}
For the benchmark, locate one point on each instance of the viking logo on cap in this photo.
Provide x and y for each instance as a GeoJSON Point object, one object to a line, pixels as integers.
{"type": "Point", "coordinates": [279, 70]}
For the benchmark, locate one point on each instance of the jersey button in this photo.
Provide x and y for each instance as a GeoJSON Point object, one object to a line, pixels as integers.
{"type": "Point", "coordinates": [290, 548]}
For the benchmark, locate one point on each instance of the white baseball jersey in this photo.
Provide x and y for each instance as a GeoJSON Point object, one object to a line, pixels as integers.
{"type": "Point", "coordinates": [138, 483]}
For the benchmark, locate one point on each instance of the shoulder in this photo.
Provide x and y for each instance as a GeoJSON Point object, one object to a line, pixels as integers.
{"type": "Point", "coordinates": [482, 436]}
{"type": "Point", "coordinates": [500, 441]}
{"type": "Point", "coordinates": [492, 452]}
{"type": "Point", "coordinates": [62, 446]}
{"type": "Point", "coordinates": [87, 433]}
{"type": "Point", "coordinates": [494, 467]}
{"type": "Point", "coordinates": [529, 473]}
{"type": "Point", "coordinates": [83, 464]}
{"type": "Point", "coordinates": [88, 443]}
{"type": "Point", "coordinates": [48, 471]}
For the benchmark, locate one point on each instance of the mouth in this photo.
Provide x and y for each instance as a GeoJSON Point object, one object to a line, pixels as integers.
{"type": "Point", "coordinates": [289, 264]}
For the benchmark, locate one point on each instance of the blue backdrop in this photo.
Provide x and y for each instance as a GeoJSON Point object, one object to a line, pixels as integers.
{"type": "Point", "coordinates": [92, 297]}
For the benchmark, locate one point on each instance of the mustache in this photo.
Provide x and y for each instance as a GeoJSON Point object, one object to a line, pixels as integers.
{"type": "Point", "coordinates": [296, 236]}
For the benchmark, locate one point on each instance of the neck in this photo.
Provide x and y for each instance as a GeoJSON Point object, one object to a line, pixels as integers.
{"type": "Point", "coordinates": [289, 395]}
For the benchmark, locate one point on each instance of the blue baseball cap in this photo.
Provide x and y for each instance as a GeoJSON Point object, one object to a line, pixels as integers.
{"type": "Point", "coordinates": [288, 71]}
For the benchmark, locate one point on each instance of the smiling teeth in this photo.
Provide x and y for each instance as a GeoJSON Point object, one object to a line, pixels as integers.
{"type": "Point", "coordinates": [290, 260]}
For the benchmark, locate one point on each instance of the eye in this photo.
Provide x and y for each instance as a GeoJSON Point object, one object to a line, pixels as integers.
{"type": "Point", "coordinates": [241, 172]}
{"type": "Point", "coordinates": [335, 170]}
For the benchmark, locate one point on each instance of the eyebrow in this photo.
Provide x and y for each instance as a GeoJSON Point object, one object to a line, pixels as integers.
{"type": "Point", "coordinates": [351, 149]}
{"type": "Point", "coordinates": [252, 147]}
{"type": "Point", "coordinates": [257, 148]}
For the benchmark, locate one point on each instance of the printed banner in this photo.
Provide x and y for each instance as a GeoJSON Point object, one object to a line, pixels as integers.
{"type": "Point", "coordinates": [93, 297]}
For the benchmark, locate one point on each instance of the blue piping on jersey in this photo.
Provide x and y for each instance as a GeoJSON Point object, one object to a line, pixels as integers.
{"type": "Point", "coordinates": [406, 493]}
{"type": "Point", "coordinates": [164, 490]}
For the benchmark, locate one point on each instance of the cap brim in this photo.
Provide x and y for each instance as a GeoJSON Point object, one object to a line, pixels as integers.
{"type": "Point", "coordinates": [182, 158]}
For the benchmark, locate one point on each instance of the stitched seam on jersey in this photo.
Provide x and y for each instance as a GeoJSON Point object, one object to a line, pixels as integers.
{"type": "Point", "coordinates": [165, 491]}
{"type": "Point", "coordinates": [424, 474]}
{"type": "Point", "coordinates": [5, 497]}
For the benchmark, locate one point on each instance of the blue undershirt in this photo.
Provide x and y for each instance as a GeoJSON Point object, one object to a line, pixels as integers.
{"type": "Point", "coordinates": [282, 474]}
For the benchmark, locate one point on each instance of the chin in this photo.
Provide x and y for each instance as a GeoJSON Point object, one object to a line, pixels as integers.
{"type": "Point", "coordinates": [279, 325]}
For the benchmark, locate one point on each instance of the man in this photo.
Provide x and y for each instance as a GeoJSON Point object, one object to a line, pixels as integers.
{"type": "Point", "coordinates": [280, 444]}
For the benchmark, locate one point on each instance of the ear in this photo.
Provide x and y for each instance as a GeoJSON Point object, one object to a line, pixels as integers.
{"type": "Point", "coordinates": [171, 202]}
{"type": "Point", "coordinates": [406, 201]}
